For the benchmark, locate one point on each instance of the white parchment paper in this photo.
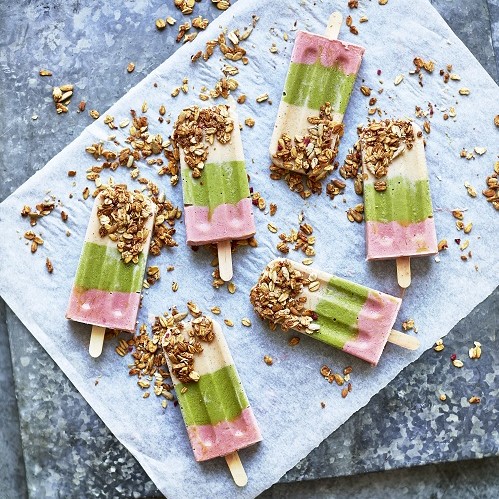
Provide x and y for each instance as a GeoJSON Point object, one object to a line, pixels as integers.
{"type": "Point", "coordinates": [287, 396]}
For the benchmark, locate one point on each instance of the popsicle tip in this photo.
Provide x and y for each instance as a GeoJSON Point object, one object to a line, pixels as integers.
{"type": "Point", "coordinates": [236, 469]}
{"type": "Point", "coordinates": [403, 340]}
{"type": "Point", "coordinates": [96, 341]}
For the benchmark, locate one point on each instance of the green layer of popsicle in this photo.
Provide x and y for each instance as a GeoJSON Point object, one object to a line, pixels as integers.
{"type": "Point", "coordinates": [220, 183]}
{"type": "Point", "coordinates": [101, 267]}
{"type": "Point", "coordinates": [311, 85]}
{"type": "Point", "coordinates": [216, 397]}
{"type": "Point", "coordinates": [404, 201]}
{"type": "Point", "coordinates": [339, 310]}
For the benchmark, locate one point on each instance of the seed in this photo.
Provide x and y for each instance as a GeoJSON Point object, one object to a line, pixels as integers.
{"type": "Point", "coordinates": [174, 286]}
{"type": "Point", "coordinates": [268, 360]}
{"type": "Point", "coordinates": [228, 322]}
{"type": "Point", "coordinates": [399, 78]}
{"type": "Point", "coordinates": [45, 72]}
{"type": "Point", "coordinates": [458, 214]}
{"type": "Point", "coordinates": [160, 24]}
{"type": "Point", "coordinates": [307, 261]}
{"type": "Point", "coordinates": [443, 397]}
{"type": "Point", "coordinates": [215, 310]}
{"type": "Point", "coordinates": [345, 390]}
{"type": "Point", "coordinates": [457, 363]}
{"type": "Point", "coordinates": [294, 341]}
{"type": "Point", "coordinates": [246, 322]}
{"type": "Point", "coordinates": [467, 228]}
{"type": "Point", "coordinates": [314, 286]}
{"type": "Point", "coordinates": [464, 91]}
{"type": "Point", "coordinates": [130, 67]}
{"type": "Point", "coordinates": [231, 287]}
{"type": "Point", "coordinates": [262, 98]}
{"type": "Point", "coordinates": [474, 400]}
{"type": "Point", "coordinates": [272, 228]}
{"type": "Point", "coordinates": [365, 90]}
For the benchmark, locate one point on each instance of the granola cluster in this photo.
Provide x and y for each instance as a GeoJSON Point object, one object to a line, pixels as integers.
{"type": "Point", "coordinates": [492, 190]}
{"type": "Point", "coordinates": [197, 128]}
{"type": "Point", "coordinates": [181, 344]}
{"type": "Point", "coordinates": [312, 154]}
{"type": "Point", "coordinates": [382, 142]}
{"type": "Point", "coordinates": [122, 217]}
{"type": "Point", "coordinates": [278, 297]}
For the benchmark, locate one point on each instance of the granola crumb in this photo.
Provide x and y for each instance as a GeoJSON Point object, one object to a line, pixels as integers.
{"type": "Point", "coordinates": [48, 264]}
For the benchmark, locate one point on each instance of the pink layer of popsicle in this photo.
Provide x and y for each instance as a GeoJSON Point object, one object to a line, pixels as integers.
{"type": "Point", "coordinates": [227, 222]}
{"type": "Point", "coordinates": [223, 438]}
{"type": "Point", "coordinates": [392, 240]}
{"type": "Point", "coordinates": [309, 47]}
{"type": "Point", "coordinates": [115, 310]}
{"type": "Point", "coordinates": [375, 322]}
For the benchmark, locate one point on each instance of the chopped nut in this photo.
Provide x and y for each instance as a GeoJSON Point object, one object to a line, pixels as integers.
{"type": "Point", "coordinates": [160, 24]}
{"type": "Point", "coordinates": [457, 363]}
{"type": "Point", "coordinates": [474, 400]}
{"type": "Point", "coordinates": [443, 397]}
{"type": "Point", "coordinates": [130, 67]}
{"type": "Point", "coordinates": [94, 114]}
{"type": "Point", "coordinates": [268, 360]}
{"type": "Point", "coordinates": [49, 265]}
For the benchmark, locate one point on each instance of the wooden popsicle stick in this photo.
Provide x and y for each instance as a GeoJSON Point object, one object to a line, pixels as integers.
{"type": "Point", "coordinates": [225, 260]}
{"type": "Point", "coordinates": [236, 469]}
{"type": "Point", "coordinates": [403, 340]}
{"type": "Point", "coordinates": [334, 25]}
{"type": "Point", "coordinates": [96, 341]}
{"type": "Point", "coordinates": [404, 271]}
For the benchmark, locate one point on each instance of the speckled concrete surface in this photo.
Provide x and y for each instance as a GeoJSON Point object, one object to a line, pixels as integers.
{"type": "Point", "coordinates": [70, 449]}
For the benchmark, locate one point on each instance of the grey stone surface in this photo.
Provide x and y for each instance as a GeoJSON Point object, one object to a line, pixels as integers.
{"type": "Point", "coordinates": [472, 22]}
{"type": "Point", "coordinates": [467, 479]}
{"type": "Point", "coordinates": [12, 476]}
{"type": "Point", "coordinates": [67, 448]}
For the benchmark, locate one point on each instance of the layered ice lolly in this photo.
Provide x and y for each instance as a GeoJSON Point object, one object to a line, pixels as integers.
{"type": "Point", "coordinates": [341, 313]}
{"type": "Point", "coordinates": [217, 204]}
{"type": "Point", "coordinates": [214, 406]}
{"type": "Point", "coordinates": [316, 93]}
{"type": "Point", "coordinates": [108, 281]}
{"type": "Point", "coordinates": [397, 202]}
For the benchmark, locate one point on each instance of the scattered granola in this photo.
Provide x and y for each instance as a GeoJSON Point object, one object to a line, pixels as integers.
{"type": "Point", "coordinates": [439, 346]}
{"type": "Point", "coordinates": [62, 96]}
{"type": "Point", "coordinates": [45, 72]}
{"type": "Point", "coordinates": [41, 210]}
{"type": "Point", "coordinates": [48, 264]}
{"type": "Point", "coordinates": [268, 360]}
{"type": "Point", "coordinates": [475, 352]}
{"type": "Point", "coordinates": [474, 400]}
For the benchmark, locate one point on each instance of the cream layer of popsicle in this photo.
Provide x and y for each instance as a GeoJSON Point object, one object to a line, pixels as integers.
{"type": "Point", "coordinates": [399, 220]}
{"type": "Point", "coordinates": [336, 311]}
{"type": "Point", "coordinates": [216, 411]}
{"type": "Point", "coordinates": [106, 290]}
{"type": "Point", "coordinates": [217, 205]}
{"type": "Point", "coordinates": [321, 71]}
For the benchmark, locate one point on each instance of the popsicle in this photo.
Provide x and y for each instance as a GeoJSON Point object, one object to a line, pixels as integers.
{"type": "Point", "coordinates": [345, 315]}
{"type": "Point", "coordinates": [316, 93]}
{"type": "Point", "coordinates": [217, 204]}
{"type": "Point", "coordinates": [214, 406]}
{"type": "Point", "coordinates": [108, 281]}
{"type": "Point", "coordinates": [397, 202]}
